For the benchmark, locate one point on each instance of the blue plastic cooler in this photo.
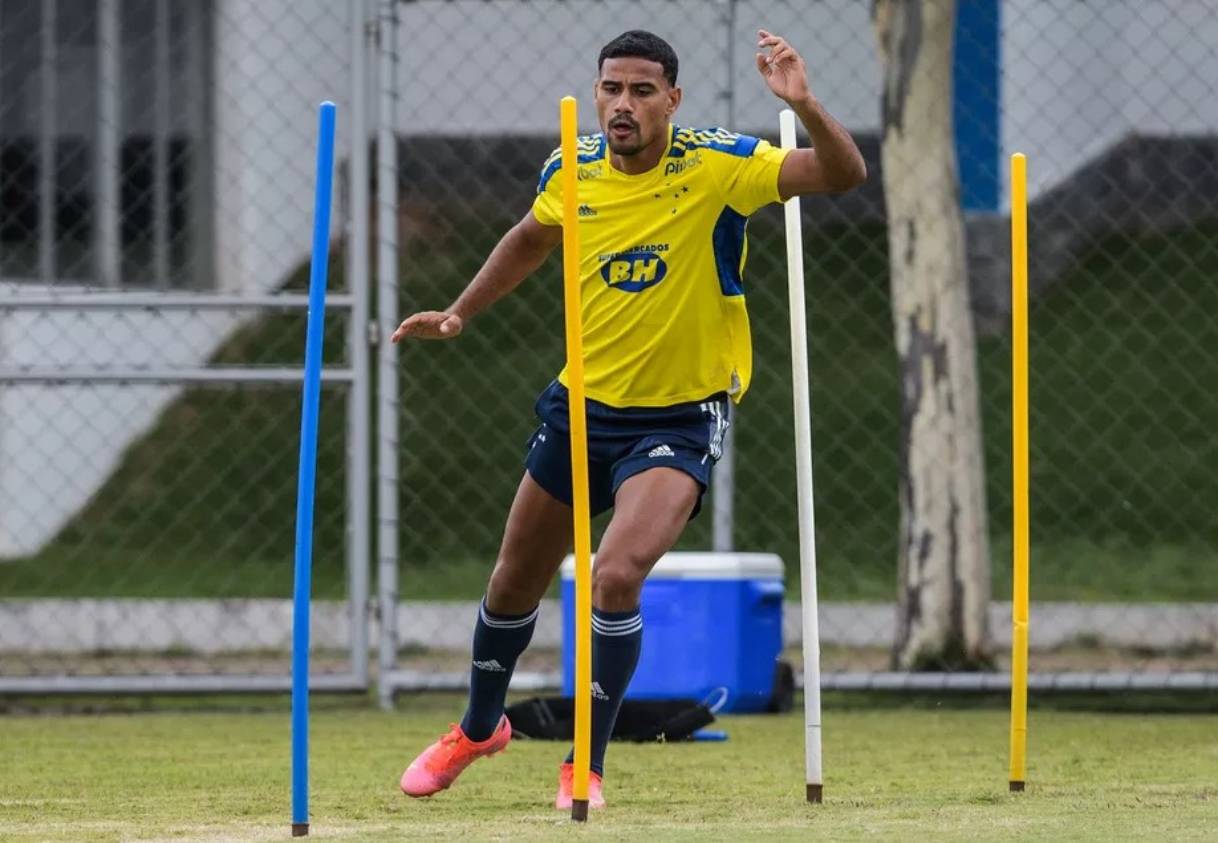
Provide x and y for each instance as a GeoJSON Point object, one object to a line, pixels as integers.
{"type": "Point", "coordinates": [712, 627]}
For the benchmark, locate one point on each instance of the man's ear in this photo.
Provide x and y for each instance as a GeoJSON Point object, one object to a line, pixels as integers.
{"type": "Point", "coordinates": [674, 100]}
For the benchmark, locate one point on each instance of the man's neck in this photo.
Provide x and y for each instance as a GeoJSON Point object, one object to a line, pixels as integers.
{"type": "Point", "coordinates": [643, 160]}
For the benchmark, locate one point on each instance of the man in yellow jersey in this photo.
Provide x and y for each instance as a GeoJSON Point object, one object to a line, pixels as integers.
{"type": "Point", "coordinates": [666, 343]}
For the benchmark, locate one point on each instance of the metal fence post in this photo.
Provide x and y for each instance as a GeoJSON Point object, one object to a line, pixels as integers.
{"type": "Point", "coordinates": [48, 132]}
{"type": "Point", "coordinates": [108, 246]}
{"type": "Point", "coordinates": [387, 374]}
{"type": "Point", "coordinates": [723, 497]}
{"type": "Point", "coordinates": [161, 161]}
{"type": "Point", "coordinates": [358, 410]}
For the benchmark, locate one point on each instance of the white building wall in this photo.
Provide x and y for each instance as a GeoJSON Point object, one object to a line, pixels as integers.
{"type": "Point", "coordinates": [1079, 77]}
{"type": "Point", "coordinates": [478, 67]}
{"type": "Point", "coordinates": [275, 60]}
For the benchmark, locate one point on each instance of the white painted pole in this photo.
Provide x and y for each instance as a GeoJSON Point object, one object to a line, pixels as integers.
{"type": "Point", "coordinates": [803, 478]}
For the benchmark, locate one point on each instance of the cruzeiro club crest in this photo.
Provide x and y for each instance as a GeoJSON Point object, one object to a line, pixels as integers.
{"type": "Point", "coordinates": [635, 270]}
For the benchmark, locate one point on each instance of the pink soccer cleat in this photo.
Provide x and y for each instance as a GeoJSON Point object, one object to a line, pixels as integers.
{"type": "Point", "coordinates": [566, 780]}
{"type": "Point", "coordinates": [438, 766]}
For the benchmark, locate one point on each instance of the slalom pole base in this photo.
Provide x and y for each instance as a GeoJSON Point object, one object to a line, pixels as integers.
{"type": "Point", "coordinates": [300, 829]}
{"type": "Point", "coordinates": [1016, 787]}
{"type": "Point", "coordinates": [816, 793]}
{"type": "Point", "coordinates": [579, 810]}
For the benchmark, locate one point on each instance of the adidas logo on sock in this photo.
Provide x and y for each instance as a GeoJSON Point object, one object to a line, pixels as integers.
{"type": "Point", "coordinates": [491, 665]}
{"type": "Point", "coordinates": [598, 693]}
{"type": "Point", "coordinates": [661, 451]}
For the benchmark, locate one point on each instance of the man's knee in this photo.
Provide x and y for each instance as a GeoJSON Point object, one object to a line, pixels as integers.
{"type": "Point", "coordinates": [617, 582]}
{"type": "Point", "coordinates": [513, 590]}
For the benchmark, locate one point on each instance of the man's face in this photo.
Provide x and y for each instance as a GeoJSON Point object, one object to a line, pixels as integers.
{"type": "Point", "coordinates": [634, 103]}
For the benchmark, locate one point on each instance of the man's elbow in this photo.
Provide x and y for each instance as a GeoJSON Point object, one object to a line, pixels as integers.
{"type": "Point", "coordinates": [859, 173]}
{"type": "Point", "coordinates": [849, 177]}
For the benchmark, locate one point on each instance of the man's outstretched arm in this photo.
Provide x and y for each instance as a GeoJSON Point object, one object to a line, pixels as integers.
{"type": "Point", "coordinates": [834, 163]}
{"type": "Point", "coordinates": [517, 255]}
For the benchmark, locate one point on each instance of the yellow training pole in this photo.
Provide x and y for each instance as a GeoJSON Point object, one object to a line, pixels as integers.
{"type": "Point", "coordinates": [579, 463]}
{"type": "Point", "coordinates": [1019, 426]}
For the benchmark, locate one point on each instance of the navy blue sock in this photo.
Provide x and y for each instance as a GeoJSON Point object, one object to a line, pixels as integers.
{"type": "Point", "coordinates": [617, 639]}
{"type": "Point", "coordinates": [498, 642]}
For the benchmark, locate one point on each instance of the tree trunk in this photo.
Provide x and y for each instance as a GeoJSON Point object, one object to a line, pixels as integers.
{"type": "Point", "coordinates": [943, 560]}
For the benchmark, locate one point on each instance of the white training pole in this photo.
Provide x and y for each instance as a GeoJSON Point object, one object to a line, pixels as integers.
{"type": "Point", "coordinates": [803, 478]}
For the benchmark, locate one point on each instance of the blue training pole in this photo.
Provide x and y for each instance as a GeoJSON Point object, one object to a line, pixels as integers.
{"type": "Point", "coordinates": [310, 410]}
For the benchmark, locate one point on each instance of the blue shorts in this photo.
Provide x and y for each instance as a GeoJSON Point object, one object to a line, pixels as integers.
{"type": "Point", "coordinates": [623, 442]}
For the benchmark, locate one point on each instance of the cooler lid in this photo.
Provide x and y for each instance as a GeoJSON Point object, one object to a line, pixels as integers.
{"type": "Point", "coordinates": [696, 565]}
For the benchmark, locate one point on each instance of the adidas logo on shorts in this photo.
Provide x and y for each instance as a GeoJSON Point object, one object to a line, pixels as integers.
{"type": "Point", "coordinates": [491, 665]}
{"type": "Point", "coordinates": [661, 451]}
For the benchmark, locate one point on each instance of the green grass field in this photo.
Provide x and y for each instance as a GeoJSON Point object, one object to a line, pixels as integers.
{"type": "Point", "coordinates": [1123, 454]}
{"type": "Point", "coordinates": [917, 771]}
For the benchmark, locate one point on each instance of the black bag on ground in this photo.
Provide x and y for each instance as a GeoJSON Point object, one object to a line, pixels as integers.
{"type": "Point", "coordinates": [642, 721]}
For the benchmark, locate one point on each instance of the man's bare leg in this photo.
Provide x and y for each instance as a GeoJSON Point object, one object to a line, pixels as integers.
{"type": "Point", "coordinates": [535, 540]}
{"type": "Point", "coordinates": [650, 512]}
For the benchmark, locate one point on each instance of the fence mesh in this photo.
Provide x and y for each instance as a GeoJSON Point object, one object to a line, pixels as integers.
{"type": "Point", "coordinates": [1113, 106]}
{"type": "Point", "coordinates": [155, 147]}
{"type": "Point", "coordinates": [156, 175]}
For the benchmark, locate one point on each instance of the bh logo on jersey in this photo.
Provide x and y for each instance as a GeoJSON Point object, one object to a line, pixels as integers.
{"type": "Point", "coordinates": [634, 271]}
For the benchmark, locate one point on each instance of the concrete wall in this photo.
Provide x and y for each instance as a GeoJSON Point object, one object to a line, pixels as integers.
{"type": "Point", "coordinates": [32, 628]}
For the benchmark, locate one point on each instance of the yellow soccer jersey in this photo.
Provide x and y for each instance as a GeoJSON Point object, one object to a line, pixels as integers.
{"type": "Point", "coordinates": [661, 261]}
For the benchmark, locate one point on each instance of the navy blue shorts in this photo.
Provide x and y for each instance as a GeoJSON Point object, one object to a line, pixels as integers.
{"type": "Point", "coordinates": [623, 442]}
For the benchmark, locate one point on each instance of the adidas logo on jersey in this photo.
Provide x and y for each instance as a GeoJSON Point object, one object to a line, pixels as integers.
{"type": "Point", "coordinates": [661, 451]}
{"type": "Point", "coordinates": [598, 693]}
{"type": "Point", "coordinates": [587, 211]}
{"type": "Point", "coordinates": [491, 666]}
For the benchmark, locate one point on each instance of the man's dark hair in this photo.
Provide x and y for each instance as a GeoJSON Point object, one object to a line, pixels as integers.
{"type": "Point", "coordinates": [640, 44]}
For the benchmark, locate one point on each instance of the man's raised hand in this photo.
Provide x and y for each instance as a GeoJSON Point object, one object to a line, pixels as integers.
{"type": "Point", "coordinates": [783, 68]}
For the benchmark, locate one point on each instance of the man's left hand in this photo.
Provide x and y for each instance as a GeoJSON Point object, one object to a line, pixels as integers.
{"type": "Point", "coordinates": [783, 69]}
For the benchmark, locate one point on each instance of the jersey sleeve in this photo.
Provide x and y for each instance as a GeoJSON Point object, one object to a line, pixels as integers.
{"type": "Point", "coordinates": [547, 206]}
{"type": "Point", "coordinates": [748, 175]}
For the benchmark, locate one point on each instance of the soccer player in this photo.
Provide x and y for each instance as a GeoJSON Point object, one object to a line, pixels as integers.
{"type": "Point", "coordinates": [666, 343]}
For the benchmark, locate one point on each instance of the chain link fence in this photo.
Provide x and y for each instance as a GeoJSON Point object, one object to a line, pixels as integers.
{"type": "Point", "coordinates": [156, 172]}
{"type": "Point", "coordinates": [155, 157]}
{"type": "Point", "coordinates": [1113, 104]}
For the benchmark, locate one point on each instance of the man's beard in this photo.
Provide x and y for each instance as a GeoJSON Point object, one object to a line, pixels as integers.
{"type": "Point", "coordinates": [630, 147]}
{"type": "Point", "coordinates": [633, 143]}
